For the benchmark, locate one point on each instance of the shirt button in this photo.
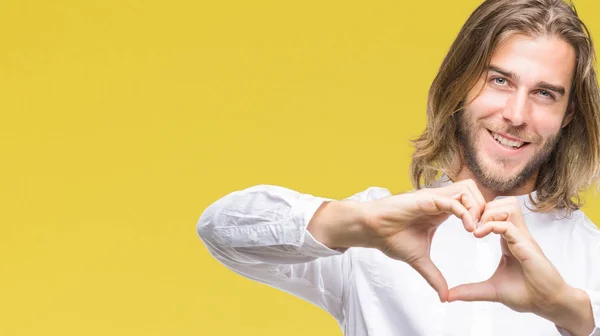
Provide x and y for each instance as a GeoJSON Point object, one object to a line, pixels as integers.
{"type": "Point", "coordinates": [253, 237]}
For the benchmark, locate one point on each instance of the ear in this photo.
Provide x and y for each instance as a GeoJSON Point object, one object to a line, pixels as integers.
{"type": "Point", "coordinates": [568, 115]}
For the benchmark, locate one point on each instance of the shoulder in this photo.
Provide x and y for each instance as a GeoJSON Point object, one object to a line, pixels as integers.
{"type": "Point", "coordinates": [574, 231]}
{"type": "Point", "coordinates": [581, 231]}
{"type": "Point", "coordinates": [584, 223]}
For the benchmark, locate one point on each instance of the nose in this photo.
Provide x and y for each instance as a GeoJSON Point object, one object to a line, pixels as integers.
{"type": "Point", "coordinates": [517, 108]}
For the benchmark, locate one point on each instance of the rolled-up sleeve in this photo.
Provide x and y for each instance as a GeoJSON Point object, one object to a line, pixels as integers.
{"type": "Point", "coordinates": [261, 233]}
{"type": "Point", "coordinates": [270, 221]}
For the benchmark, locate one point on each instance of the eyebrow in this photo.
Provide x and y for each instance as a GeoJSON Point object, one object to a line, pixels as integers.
{"type": "Point", "coordinates": [542, 85]}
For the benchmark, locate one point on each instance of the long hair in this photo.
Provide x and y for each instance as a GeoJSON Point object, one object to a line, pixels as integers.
{"type": "Point", "coordinates": [575, 162]}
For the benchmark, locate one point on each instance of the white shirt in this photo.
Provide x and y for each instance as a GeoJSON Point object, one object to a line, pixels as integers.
{"type": "Point", "coordinates": [260, 233]}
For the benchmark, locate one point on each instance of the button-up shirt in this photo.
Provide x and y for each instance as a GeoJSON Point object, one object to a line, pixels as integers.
{"type": "Point", "coordinates": [261, 233]}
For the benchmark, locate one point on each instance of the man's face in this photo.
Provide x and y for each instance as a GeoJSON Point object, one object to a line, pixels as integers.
{"type": "Point", "coordinates": [516, 111]}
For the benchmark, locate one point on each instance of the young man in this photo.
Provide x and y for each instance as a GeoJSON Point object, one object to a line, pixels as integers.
{"type": "Point", "coordinates": [513, 135]}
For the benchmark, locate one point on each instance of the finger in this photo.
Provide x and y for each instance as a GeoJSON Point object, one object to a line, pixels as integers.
{"type": "Point", "coordinates": [495, 214]}
{"type": "Point", "coordinates": [477, 195]}
{"type": "Point", "coordinates": [453, 206]}
{"type": "Point", "coordinates": [433, 276]}
{"type": "Point", "coordinates": [518, 242]}
{"type": "Point", "coordinates": [469, 203]}
{"type": "Point", "coordinates": [508, 208]}
{"type": "Point", "coordinates": [507, 229]}
{"type": "Point", "coordinates": [504, 228]}
{"type": "Point", "coordinates": [467, 187]}
{"type": "Point", "coordinates": [479, 291]}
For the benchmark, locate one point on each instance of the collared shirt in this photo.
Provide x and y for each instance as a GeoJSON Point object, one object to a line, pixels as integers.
{"type": "Point", "coordinates": [261, 233]}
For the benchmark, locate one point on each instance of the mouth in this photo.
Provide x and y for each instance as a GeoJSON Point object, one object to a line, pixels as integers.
{"type": "Point", "coordinates": [508, 143]}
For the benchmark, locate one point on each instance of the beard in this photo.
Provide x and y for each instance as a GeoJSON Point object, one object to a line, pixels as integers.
{"type": "Point", "coordinates": [467, 139]}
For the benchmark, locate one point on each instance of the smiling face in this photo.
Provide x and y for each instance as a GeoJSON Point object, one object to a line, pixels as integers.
{"type": "Point", "coordinates": [515, 112]}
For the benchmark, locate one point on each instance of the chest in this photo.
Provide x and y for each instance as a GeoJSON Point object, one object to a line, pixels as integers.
{"type": "Point", "coordinates": [395, 300]}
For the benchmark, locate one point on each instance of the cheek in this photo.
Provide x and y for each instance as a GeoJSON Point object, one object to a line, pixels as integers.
{"type": "Point", "coordinates": [546, 125]}
{"type": "Point", "coordinates": [486, 104]}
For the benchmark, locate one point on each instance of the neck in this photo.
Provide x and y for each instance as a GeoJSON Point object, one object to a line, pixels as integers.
{"type": "Point", "coordinates": [490, 194]}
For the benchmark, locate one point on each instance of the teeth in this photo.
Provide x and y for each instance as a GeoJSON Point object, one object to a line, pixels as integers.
{"type": "Point", "coordinates": [507, 142]}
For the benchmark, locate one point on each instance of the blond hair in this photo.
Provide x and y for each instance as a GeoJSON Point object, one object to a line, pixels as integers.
{"type": "Point", "coordinates": [575, 162]}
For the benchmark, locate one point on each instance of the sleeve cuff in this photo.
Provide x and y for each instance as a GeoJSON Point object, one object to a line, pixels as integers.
{"type": "Point", "coordinates": [312, 247]}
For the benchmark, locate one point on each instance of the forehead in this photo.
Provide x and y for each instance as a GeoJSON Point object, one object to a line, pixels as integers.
{"type": "Point", "coordinates": [535, 59]}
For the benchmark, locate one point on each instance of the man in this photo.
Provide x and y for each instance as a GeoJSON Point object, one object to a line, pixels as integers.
{"type": "Point", "coordinates": [493, 242]}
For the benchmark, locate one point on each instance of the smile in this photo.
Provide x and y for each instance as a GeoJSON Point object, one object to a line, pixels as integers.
{"type": "Point", "coordinates": [508, 143]}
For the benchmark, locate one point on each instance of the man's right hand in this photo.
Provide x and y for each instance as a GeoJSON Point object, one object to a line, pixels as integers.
{"type": "Point", "coordinates": [401, 226]}
{"type": "Point", "coordinates": [404, 224]}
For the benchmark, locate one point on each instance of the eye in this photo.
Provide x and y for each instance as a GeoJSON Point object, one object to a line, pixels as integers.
{"type": "Point", "coordinates": [499, 81]}
{"type": "Point", "coordinates": [546, 94]}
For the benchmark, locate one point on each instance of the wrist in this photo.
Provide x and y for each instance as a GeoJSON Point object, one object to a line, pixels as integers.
{"type": "Point", "coordinates": [341, 225]}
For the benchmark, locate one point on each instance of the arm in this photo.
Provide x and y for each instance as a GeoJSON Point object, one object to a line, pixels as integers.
{"type": "Point", "coordinates": [261, 233]}
{"type": "Point", "coordinates": [584, 302]}
{"type": "Point", "coordinates": [579, 313]}
{"type": "Point", "coordinates": [265, 233]}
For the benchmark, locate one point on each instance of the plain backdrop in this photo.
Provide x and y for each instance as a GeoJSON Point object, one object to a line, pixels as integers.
{"type": "Point", "coordinates": [122, 120]}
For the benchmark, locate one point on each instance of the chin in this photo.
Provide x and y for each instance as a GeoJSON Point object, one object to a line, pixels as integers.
{"type": "Point", "coordinates": [501, 170]}
{"type": "Point", "coordinates": [498, 177]}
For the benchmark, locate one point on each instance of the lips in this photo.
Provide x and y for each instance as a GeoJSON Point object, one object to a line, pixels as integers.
{"type": "Point", "coordinates": [508, 142]}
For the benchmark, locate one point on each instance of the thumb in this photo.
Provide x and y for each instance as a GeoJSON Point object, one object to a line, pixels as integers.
{"type": "Point", "coordinates": [433, 276]}
{"type": "Point", "coordinates": [479, 291]}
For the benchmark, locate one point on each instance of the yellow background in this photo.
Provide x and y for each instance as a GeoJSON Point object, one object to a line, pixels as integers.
{"type": "Point", "coordinates": [121, 121]}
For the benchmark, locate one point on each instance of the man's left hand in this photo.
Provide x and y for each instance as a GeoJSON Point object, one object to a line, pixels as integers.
{"type": "Point", "coordinates": [525, 280]}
